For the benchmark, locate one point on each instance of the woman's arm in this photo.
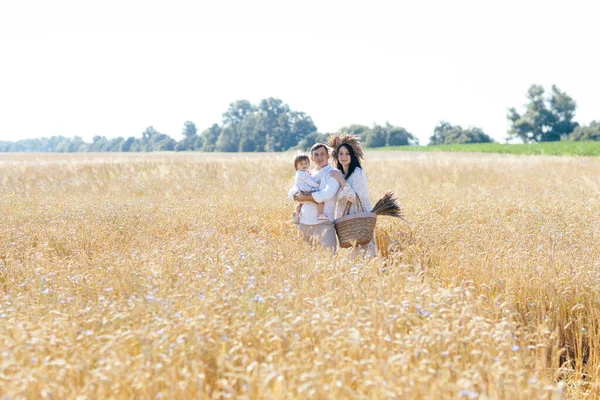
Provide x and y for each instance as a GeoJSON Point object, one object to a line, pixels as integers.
{"type": "Point", "coordinates": [346, 191]}
{"type": "Point", "coordinates": [359, 187]}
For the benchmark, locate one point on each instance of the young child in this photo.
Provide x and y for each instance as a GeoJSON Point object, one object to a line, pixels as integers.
{"type": "Point", "coordinates": [307, 184]}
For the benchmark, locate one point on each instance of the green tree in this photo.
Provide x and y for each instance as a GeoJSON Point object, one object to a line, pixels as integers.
{"type": "Point", "coordinates": [77, 144]}
{"type": "Point", "coordinates": [228, 140]}
{"type": "Point", "coordinates": [269, 126]}
{"type": "Point", "coordinates": [590, 132]}
{"type": "Point", "coordinates": [547, 117]}
{"type": "Point", "coordinates": [210, 136]}
{"type": "Point", "coordinates": [446, 133]}
{"type": "Point", "coordinates": [127, 144]}
{"type": "Point", "coordinates": [99, 144]}
{"type": "Point", "coordinates": [310, 139]}
{"type": "Point", "coordinates": [115, 145]}
{"type": "Point", "coordinates": [252, 134]}
{"type": "Point", "coordinates": [301, 126]}
{"type": "Point", "coordinates": [360, 130]}
{"type": "Point", "coordinates": [230, 135]}
{"type": "Point", "coordinates": [398, 136]}
{"type": "Point", "coordinates": [381, 136]}
{"type": "Point", "coordinates": [191, 140]}
{"type": "Point", "coordinates": [153, 140]}
{"type": "Point", "coordinates": [283, 127]}
{"type": "Point", "coordinates": [237, 111]}
{"type": "Point", "coordinates": [376, 137]}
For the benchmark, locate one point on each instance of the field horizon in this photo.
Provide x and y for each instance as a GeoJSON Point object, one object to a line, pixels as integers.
{"type": "Point", "coordinates": [564, 147]}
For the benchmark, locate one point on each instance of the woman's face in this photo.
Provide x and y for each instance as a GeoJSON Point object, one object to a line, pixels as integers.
{"type": "Point", "coordinates": [344, 157]}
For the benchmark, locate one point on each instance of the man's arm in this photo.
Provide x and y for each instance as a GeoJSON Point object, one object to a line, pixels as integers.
{"type": "Point", "coordinates": [295, 195]}
{"type": "Point", "coordinates": [304, 198]}
{"type": "Point", "coordinates": [328, 192]}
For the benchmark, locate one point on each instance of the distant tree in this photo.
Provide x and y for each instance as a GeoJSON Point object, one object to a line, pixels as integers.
{"type": "Point", "coordinates": [547, 117]}
{"type": "Point", "coordinates": [283, 127]}
{"type": "Point", "coordinates": [381, 136]}
{"type": "Point", "coordinates": [153, 140]}
{"type": "Point", "coordinates": [445, 133]}
{"type": "Point", "coordinates": [269, 126]}
{"type": "Point", "coordinates": [590, 132]}
{"type": "Point", "coordinates": [228, 140]}
{"type": "Point", "coordinates": [191, 141]}
{"type": "Point", "coordinates": [77, 144]}
{"type": "Point", "coordinates": [360, 130]}
{"type": "Point", "coordinates": [398, 136]}
{"type": "Point", "coordinates": [189, 131]}
{"type": "Point", "coordinates": [230, 134]}
{"type": "Point", "coordinates": [299, 126]}
{"type": "Point", "coordinates": [237, 111]}
{"type": "Point", "coordinates": [99, 143]}
{"type": "Point", "coordinates": [252, 134]}
{"type": "Point", "coordinates": [210, 136]}
{"type": "Point", "coordinates": [310, 139]}
{"type": "Point", "coordinates": [61, 144]}
{"type": "Point", "coordinates": [115, 144]}
{"type": "Point", "coordinates": [127, 144]}
{"type": "Point", "coordinates": [376, 137]}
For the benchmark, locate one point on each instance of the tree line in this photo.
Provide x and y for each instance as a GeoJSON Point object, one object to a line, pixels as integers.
{"type": "Point", "coordinates": [271, 125]}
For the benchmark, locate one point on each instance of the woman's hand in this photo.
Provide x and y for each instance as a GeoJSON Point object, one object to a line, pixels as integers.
{"type": "Point", "coordinates": [338, 176]}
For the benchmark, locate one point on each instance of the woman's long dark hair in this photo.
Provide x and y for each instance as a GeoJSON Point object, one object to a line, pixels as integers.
{"type": "Point", "coordinates": [354, 161]}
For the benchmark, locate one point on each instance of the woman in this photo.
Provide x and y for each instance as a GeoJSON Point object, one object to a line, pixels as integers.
{"type": "Point", "coordinates": [347, 153]}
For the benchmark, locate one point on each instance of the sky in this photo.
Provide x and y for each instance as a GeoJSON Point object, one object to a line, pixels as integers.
{"type": "Point", "coordinates": [113, 68]}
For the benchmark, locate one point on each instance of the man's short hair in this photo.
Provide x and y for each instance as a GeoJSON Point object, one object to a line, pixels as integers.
{"type": "Point", "coordinates": [318, 145]}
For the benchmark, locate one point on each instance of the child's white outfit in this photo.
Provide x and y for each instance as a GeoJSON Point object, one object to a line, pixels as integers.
{"type": "Point", "coordinates": [304, 182]}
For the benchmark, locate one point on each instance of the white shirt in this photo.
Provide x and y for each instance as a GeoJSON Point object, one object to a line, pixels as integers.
{"type": "Point", "coordinates": [325, 194]}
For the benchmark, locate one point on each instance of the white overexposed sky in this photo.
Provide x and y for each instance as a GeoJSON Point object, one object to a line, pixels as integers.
{"type": "Point", "coordinates": [114, 68]}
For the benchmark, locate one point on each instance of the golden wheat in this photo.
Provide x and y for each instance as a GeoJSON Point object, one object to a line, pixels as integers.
{"type": "Point", "coordinates": [180, 276]}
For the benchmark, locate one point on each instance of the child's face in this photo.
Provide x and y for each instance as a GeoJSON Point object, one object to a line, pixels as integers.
{"type": "Point", "coordinates": [303, 165]}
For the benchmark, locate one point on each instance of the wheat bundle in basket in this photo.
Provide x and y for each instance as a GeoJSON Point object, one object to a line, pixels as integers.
{"type": "Point", "coordinates": [357, 229]}
{"type": "Point", "coordinates": [389, 206]}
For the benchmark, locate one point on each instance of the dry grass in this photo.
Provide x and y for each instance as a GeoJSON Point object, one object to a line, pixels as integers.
{"type": "Point", "coordinates": [180, 276]}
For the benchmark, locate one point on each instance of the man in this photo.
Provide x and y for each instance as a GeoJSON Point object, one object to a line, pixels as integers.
{"type": "Point", "coordinates": [309, 226]}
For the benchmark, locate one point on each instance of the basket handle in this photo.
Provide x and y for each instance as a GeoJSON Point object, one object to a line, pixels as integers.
{"type": "Point", "coordinates": [360, 206]}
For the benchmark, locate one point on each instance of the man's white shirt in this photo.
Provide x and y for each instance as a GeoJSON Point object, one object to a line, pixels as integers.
{"type": "Point", "coordinates": [326, 193]}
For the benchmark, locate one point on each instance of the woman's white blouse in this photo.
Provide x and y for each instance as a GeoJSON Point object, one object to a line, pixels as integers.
{"type": "Point", "coordinates": [356, 185]}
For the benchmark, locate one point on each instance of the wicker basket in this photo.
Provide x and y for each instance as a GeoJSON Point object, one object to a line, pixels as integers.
{"type": "Point", "coordinates": [355, 229]}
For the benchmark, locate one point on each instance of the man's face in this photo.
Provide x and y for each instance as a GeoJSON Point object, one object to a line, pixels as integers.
{"type": "Point", "coordinates": [320, 157]}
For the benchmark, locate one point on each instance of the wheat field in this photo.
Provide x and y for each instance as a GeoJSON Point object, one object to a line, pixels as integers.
{"type": "Point", "coordinates": [180, 276]}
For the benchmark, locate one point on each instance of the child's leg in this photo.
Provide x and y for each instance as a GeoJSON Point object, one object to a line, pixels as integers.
{"type": "Point", "coordinates": [296, 214]}
{"type": "Point", "coordinates": [320, 207]}
{"type": "Point", "coordinates": [320, 215]}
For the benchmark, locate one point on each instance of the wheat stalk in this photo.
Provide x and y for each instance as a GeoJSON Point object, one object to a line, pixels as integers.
{"type": "Point", "coordinates": [389, 206]}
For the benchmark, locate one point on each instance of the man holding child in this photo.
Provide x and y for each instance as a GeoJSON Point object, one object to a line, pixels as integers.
{"type": "Point", "coordinates": [311, 227]}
